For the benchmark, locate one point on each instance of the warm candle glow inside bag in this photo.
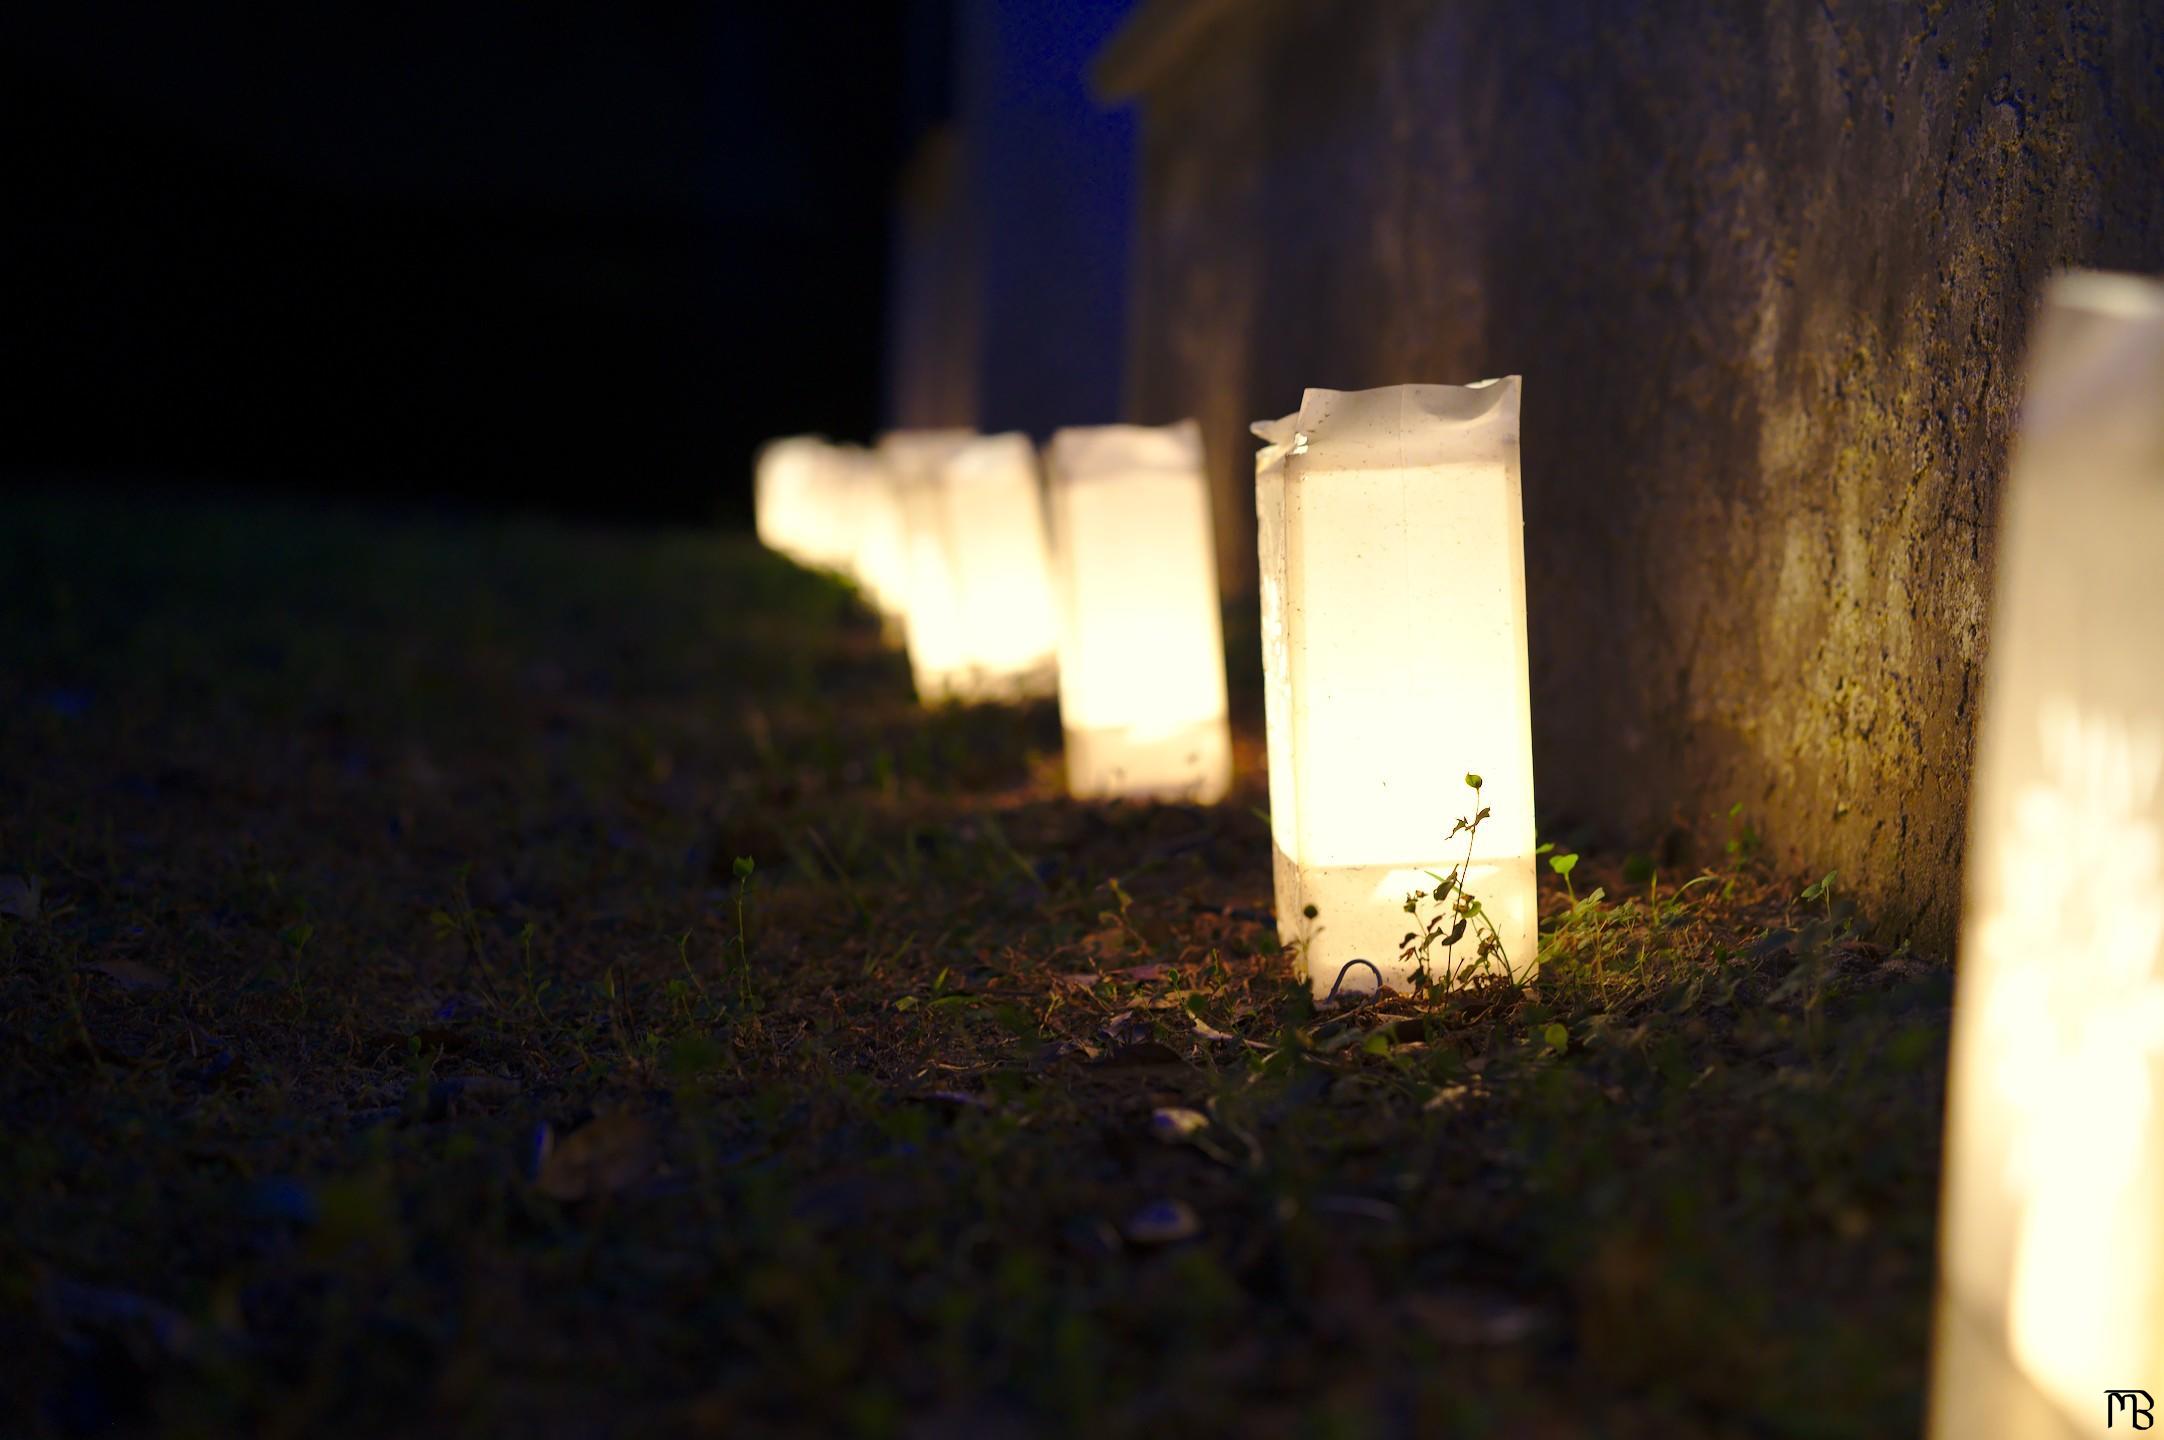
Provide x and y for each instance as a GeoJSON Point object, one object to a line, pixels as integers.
{"type": "Point", "coordinates": [788, 496]}
{"type": "Point", "coordinates": [980, 623]}
{"type": "Point", "coordinates": [1142, 657]}
{"type": "Point", "coordinates": [2051, 1286]}
{"type": "Point", "coordinates": [830, 538]}
{"type": "Point", "coordinates": [1396, 571]}
{"type": "Point", "coordinates": [913, 459]}
{"type": "Point", "coordinates": [879, 557]}
{"type": "Point", "coordinates": [1277, 437]}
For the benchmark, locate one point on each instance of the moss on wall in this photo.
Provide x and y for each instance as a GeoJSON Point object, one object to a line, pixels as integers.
{"type": "Point", "coordinates": [1767, 270]}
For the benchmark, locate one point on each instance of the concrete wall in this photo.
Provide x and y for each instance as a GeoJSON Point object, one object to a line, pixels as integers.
{"type": "Point", "coordinates": [1767, 269]}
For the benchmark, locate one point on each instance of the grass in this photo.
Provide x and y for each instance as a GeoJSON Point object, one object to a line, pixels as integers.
{"type": "Point", "coordinates": [399, 1046]}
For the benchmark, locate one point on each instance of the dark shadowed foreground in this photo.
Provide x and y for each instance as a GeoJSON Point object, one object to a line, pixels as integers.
{"type": "Point", "coordinates": [396, 1043]}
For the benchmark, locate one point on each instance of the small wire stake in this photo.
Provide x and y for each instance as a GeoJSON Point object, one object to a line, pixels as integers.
{"type": "Point", "coordinates": [1345, 970]}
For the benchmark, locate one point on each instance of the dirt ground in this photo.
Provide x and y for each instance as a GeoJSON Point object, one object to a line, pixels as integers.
{"type": "Point", "coordinates": [462, 976]}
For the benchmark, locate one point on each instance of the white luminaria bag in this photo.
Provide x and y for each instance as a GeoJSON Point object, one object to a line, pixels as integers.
{"type": "Point", "coordinates": [1277, 437]}
{"type": "Point", "coordinates": [2051, 1243]}
{"type": "Point", "coordinates": [1395, 661]}
{"type": "Point", "coordinates": [788, 496]}
{"type": "Point", "coordinates": [878, 557]}
{"type": "Point", "coordinates": [1142, 653]}
{"type": "Point", "coordinates": [980, 624]}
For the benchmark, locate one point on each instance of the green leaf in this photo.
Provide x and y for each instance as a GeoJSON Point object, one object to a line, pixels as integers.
{"type": "Point", "coordinates": [1563, 864]}
{"type": "Point", "coordinates": [1557, 1038]}
{"type": "Point", "coordinates": [1472, 779]}
{"type": "Point", "coordinates": [907, 1002]}
{"type": "Point", "coordinates": [743, 867]}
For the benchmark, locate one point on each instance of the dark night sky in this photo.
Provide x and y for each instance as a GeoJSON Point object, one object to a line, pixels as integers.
{"type": "Point", "coordinates": [578, 256]}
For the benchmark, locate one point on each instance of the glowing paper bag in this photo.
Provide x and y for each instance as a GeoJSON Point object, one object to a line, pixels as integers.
{"type": "Point", "coordinates": [1277, 437]}
{"type": "Point", "coordinates": [879, 555]}
{"type": "Point", "coordinates": [1398, 578]}
{"type": "Point", "coordinates": [2051, 1285]}
{"type": "Point", "coordinates": [788, 495]}
{"type": "Point", "coordinates": [1141, 652]}
{"type": "Point", "coordinates": [980, 624]}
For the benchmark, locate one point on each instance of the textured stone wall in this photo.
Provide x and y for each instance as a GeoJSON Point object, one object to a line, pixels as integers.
{"type": "Point", "coordinates": [1767, 270]}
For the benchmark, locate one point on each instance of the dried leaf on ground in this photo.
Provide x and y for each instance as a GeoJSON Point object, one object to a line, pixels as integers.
{"type": "Point", "coordinates": [1177, 1126]}
{"type": "Point", "coordinates": [611, 1153]}
{"type": "Point", "coordinates": [1107, 943]}
{"type": "Point", "coordinates": [1173, 1124]}
{"type": "Point", "coordinates": [1054, 1051]}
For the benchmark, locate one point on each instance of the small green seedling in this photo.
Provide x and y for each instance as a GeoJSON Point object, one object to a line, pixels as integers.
{"type": "Point", "coordinates": [1456, 915]}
